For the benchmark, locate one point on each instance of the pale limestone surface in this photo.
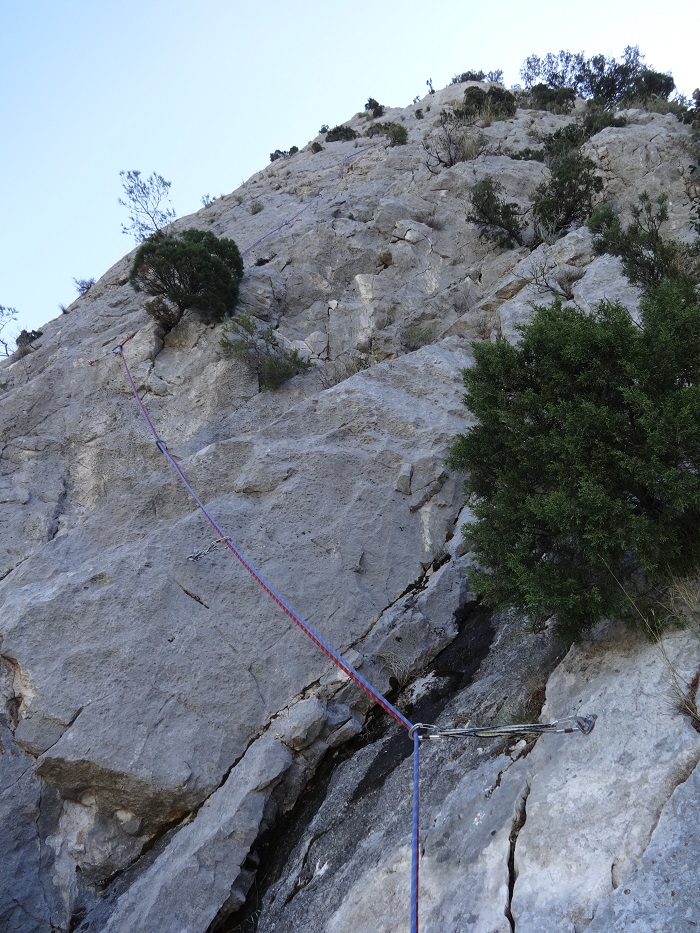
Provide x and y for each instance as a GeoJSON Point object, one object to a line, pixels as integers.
{"type": "Point", "coordinates": [145, 694]}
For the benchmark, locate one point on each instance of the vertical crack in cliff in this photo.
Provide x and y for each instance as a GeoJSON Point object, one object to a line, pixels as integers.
{"type": "Point", "coordinates": [55, 522]}
{"type": "Point", "coordinates": [518, 823]}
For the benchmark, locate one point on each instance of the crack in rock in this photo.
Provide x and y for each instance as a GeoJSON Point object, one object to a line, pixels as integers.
{"type": "Point", "coordinates": [518, 823]}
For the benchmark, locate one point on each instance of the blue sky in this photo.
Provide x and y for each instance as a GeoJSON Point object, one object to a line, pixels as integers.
{"type": "Point", "coordinates": [202, 92]}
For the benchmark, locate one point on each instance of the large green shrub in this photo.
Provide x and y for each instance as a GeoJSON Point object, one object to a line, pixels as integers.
{"type": "Point", "coordinates": [340, 134]}
{"type": "Point", "coordinates": [647, 258]}
{"type": "Point", "coordinates": [610, 82]}
{"type": "Point", "coordinates": [494, 104]}
{"type": "Point", "coordinates": [498, 219]}
{"type": "Point", "coordinates": [583, 469]}
{"type": "Point", "coordinates": [555, 99]}
{"type": "Point", "coordinates": [191, 269]}
{"type": "Point", "coordinates": [567, 198]}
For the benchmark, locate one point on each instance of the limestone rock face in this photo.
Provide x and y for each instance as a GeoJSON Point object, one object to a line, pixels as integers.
{"type": "Point", "coordinates": [168, 737]}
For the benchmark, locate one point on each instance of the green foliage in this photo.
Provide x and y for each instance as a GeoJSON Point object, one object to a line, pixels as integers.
{"type": "Point", "coordinates": [554, 99]}
{"type": "Point", "coordinates": [499, 220]}
{"type": "Point", "coordinates": [494, 104]}
{"type": "Point", "coordinates": [596, 118]}
{"type": "Point", "coordinates": [163, 312]}
{"type": "Point", "coordinates": [256, 207]}
{"type": "Point", "coordinates": [147, 202]}
{"type": "Point", "coordinates": [534, 155]}
{"type": "Point", "coordinates": [495, 77]}
{"type": "Point", "coordinates": [316, 147]}
{"type": "Point", "coordinates": [584, 465]}
{"type": "Point", "coordinates": [375, 108]}
{"type": "Point", "coordinates": [567, 198]}
{"type": "Point", "coordinates": [340, 134]}
{"type": "Point", "coordinates": [468, 76]}
{"type": "Point", "coordinates": [647, 258]}
{"type": "Point", "coordinates": [610, 82]}
{"type": "Point", "coordinates": [283, 153]}
{"type": "Point", "coordinates": [192, 269]}
{"type": "Point", "coordinates": [261, 350]}
{"type": "Point", "coordinates": [397, 133]}
{"type": "Point", "coordinates": [419, 113]}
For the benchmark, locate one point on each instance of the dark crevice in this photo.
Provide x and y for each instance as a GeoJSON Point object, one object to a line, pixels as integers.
{"type": "Point", "coordinates": [518, 823]}
{"type": "Point", "coordinates": [57, 512]}
{"type": "Point", "coordinates": [420, 584]}
{"type": "Point", "coordinates": [192, 595]}
{"type": "Point", "coordinates": [454, 669]}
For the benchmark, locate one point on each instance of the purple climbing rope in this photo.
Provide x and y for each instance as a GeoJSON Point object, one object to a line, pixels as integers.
{"type": "Point", "coordinates": [315, 637]}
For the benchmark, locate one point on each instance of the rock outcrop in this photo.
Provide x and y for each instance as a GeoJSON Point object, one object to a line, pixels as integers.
{"type": "Point", "coordinates": [169, 741]}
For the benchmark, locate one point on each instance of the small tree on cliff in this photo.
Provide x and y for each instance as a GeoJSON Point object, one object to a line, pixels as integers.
{"type": "Point", "coordinates": [584, 465]}
{"type": "Point", "coordinates": [194, 269]}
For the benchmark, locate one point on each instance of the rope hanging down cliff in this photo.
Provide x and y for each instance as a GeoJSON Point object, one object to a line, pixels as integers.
{"type": "Point", "coordinates": [417, 732]}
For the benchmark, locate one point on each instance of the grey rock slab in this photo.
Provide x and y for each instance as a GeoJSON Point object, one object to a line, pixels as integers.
{"type": "Point", "coordinates": [183, 890]}
{"type": "Point", "coordinates": [661, 894]}
{"type": "Point", "coordinates": [169, 667]}
{"type": "Point", "coordinates": [351, 867]}
{"type": "Point", "coordinates": [595, 800]}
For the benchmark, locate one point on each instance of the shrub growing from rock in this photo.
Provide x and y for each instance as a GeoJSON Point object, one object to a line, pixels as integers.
{"type": "Point", "coordinates": [340, 134]}
{"type": "Point", "coordinates": [397, 133]}
{"type": "Point", "coordinates": [494, 104]}
{"type": "Point", "coordinates": [647, 258]}
{"type": "Point", "coordinates": [566, 200]}
{"type": "Point", "coordinates": [191, 269]}
{"type": "Point", "coordinates": [375, 108]}
{"type": "Point", "coordinates": [260, 349]}
{"type": "Point", "coordinates": [584, 465]}
{"type": "Point", "coordinates": [499, 220]}
{"type": "Point", "coordinates": [610, 82]}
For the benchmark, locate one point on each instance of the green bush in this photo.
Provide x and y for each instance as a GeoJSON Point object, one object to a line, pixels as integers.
{"type": "Point", "coordinates": [584, 465]}
{"type": "Point", "coordinates": [556, 100]}
{"type": "Point", "coordinates": [499, 220]}
{"type": "Point", "coordinates": [494, 104]}
{"type": "Point", "coordinates": [647, 258]}
{"type": "Point", "coordinates": [261, 350]}
{"type": "Point", "coordinates": [468, 76]}
{"type": "Point", "coordinates": [340, 134]}
{"type": "Point", "coordinates": [567, 198]}
{"type": "Point", "coordinates": [534, 155]}
{"type": "Point", "coordinates": [596, 118]}
{"type": "Point", "coordinates": [397, 133]}
{"type": "Point", "coordinates": [375, 108]}
{"type": "Point", "coordinates": [610, 82]}
{"type": "Point", "coordinates": [316, 147]}
{"type": "Point", "coordinates": [192, 269]}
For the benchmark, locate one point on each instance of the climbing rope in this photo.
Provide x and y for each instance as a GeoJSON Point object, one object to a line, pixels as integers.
{"type": "Point", "coordinates": [417, 732]}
